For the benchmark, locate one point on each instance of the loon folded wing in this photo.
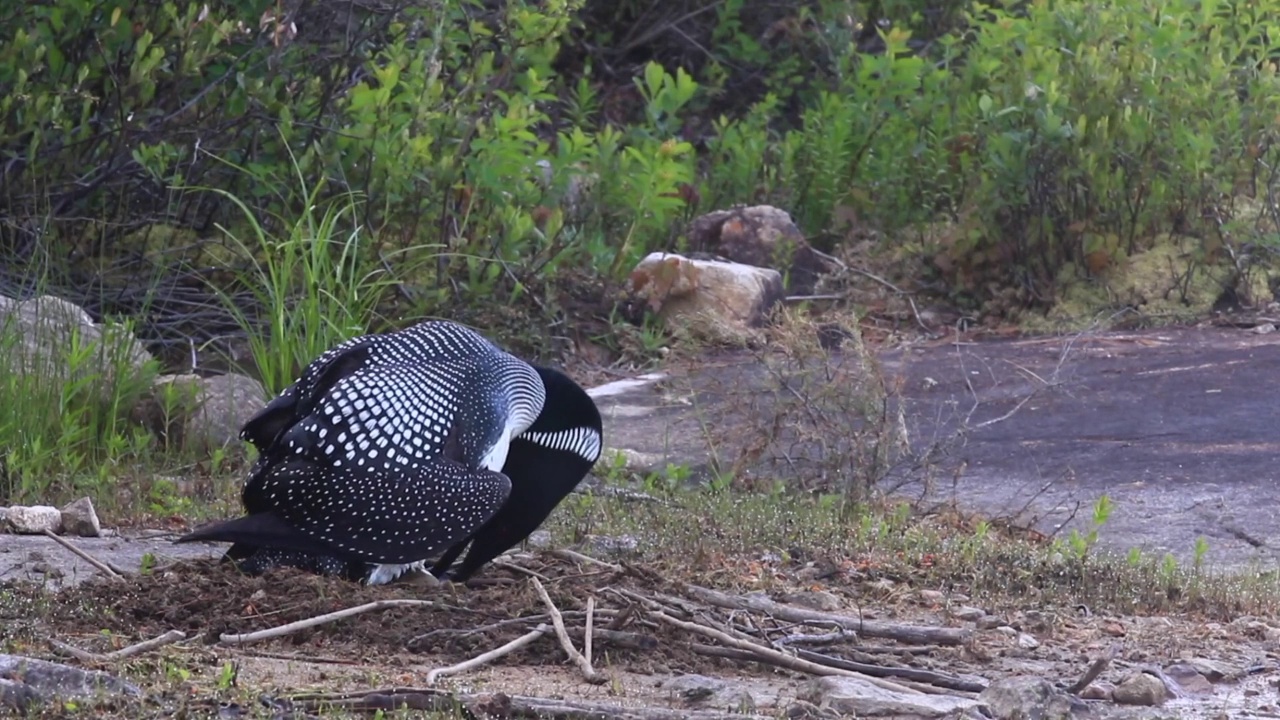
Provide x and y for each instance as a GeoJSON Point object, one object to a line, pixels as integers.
{"type": "Point", "coordinates": [299, 399]}
{"type": "Point", "coordinates": [383, 516]}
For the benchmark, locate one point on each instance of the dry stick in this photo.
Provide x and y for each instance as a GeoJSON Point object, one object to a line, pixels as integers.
{"type": "Point", "coordinates": [499, 562]}
{"type": "Point", "coordinates": [574, 556]}
{"type": "Point", "coordinates": [242, 638]}
{"type": "Point", "coordinates": [735, 654]}
{"type": "Point", "coordinates": [589, 632]}
{"type": "Point", "coordinates": [172, 636]}
{"type": "Point", "coordinates": [777, 657]}
{"type": "Point", "coordinates": [489, 656]}
{"type": "Point", "coordinates": [919, 634]}
{"type": "Point", "coordinates": [942, 680]}
{"type": "Point", "coordinates": [1095, 669]}
{"type": "Point", "coordinates": [588, 673]}
{"type": "Point", "coordinates": [85, 556]}
{"type": "Point", "coordinates": [498, 705]}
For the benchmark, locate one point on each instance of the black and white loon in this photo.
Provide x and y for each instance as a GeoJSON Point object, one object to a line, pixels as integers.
{"type": "Point", "coordinates": [394, 447]}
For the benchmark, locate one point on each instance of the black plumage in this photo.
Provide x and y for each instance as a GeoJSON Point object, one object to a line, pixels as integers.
{"type": "Point", "coordinates": [391, 448]}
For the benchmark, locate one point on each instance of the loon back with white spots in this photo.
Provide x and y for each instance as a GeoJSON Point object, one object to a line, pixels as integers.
{"type": "Point", "coordinates": [386, 450]}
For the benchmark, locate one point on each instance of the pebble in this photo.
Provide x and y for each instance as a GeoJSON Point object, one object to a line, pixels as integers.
{"type": "Point", "coordinates": [932, 597]}
{"type": "Point", "coordinates": [1027, 642]}
{"type": "Point", "coordinates": [990, 622]}
{"type": "Point", "coordinates": [967, 613]}
{"type": "Point", "coordinates": [1140, 689]}
{"type": "Point", "coordinates": [1097, 690]}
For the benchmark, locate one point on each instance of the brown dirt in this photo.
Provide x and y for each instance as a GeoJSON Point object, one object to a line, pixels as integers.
{"type": "Point", "coordinates": [206, 598]}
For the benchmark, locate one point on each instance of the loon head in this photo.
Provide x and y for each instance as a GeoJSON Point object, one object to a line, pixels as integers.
{"type": "Point", "coordinates": [564, 441]}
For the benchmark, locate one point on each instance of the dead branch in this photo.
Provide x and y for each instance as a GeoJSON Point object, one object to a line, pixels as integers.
{"type": "Point", "coordinates": [588, 673]}
{"type": "Point", "coordinates": [942, 680]}
{"type": "Point", "coordinates": [170, 637]}
{"type": "Point", "coordinates": [588, 634]}
{"type": "Point", "coordinates": [83, 555]}
{"type": "Point", "coordinates": [770, 656]}
{"type": "Point", "coordinates": [493, 705]}
{"type": "Point", "coordinates": [242, 638]}
{"type": "Point", "coordinates": [832, 638]}
{"type": "Point", "coordinates": [1095, 669]}
{"type": "Point", "coordinates": [574, 556]}
{"type": "Point", "coordinates": [918, 634]}
{"type": "Point", "coordinates": [490, 656]}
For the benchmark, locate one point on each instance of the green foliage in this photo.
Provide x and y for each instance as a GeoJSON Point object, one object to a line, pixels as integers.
{"type": "Point", "coordinates": [319, 281]}
{"type": "Point", "coordinates": [65, 424]}
{"type": "Point", "coordinates": [1090, 127]}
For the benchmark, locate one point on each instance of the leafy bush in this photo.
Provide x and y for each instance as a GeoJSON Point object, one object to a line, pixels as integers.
{"type": "Point", "coordinates": [1085, 129]}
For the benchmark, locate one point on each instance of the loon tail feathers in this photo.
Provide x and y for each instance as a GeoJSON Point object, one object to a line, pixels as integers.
{"type": "Point", "coordinates": [259, 530]}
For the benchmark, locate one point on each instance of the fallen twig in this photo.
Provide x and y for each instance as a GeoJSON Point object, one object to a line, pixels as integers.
{"type": "Point", "coordinates": [942, 680]}
{"type": "Point", "coordinates": [588, 673]}
{"type": "Point", "coordinates": [589, 633]}
{"type": "Point", "coordinates": [573, 555]}
{"type": "Point", "coordinates": [766, 654]}
{"type": "Point", "coordinates": [172, 636]}
{"type": "Point", "coordinates": [499, 562]}
{"type": "Point", "coordinates": [919, 634]}
{"type": "Point", "coordinates": [489, 656]}
{"type": "Point", "coordinates": [102, 567]}
{"type": "Point", "coordinates": [1095, 669]}
{"type": "Point", "coordinates": [242, 638]}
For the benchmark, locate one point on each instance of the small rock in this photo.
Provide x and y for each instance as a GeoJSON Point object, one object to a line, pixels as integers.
{"type": "Point", "coordinates": [1114, 629]}
{"type": "Point", "coordinates": [79, 518]}
{"type": "Point", "coordinates": [1025, 697]}
{"type": "Point", "coordinates": [1140, 689]}
{"type": "Point", "coordinates": [719, 300]}
{"type": "Point", "coordinates": [694, 688]}
{"type": "Point", "coordinates": [763, 236]}
{"type": "Point", "coordinates": [880, 585]}
{"type": "Point", "coordinates": [539, 539]}
{"type": "Point", "coordinates": [1027, 642]}
{"type": "Point", "coordinates": [1097, 690]}
{"type": "Point", "coordinates": [716, 692]}
{"type": "Point", "coordinates": [933, 597]}
{"type": "Point", "coordinates": [1189, 679]}
{"type": "Point", "coordinates": [854, 697]}
{"type": "Point", "coordinates": [1213, 670]}
{"type": "Point", "coordinates": [990, 622]}
{"type": "Point", "coordinates": [47, 570]}
{"type": "Point", "coordinates": [814, 599]}
{"type": "Point", "coordinates": [1264, 329]}
{"type": "Point", "coordinates": [1257, 629]}
{"type": "Point", "coordinates": [1007, 631]}
{"type": "Point", "coordinates": [968, 613]}
{"type": "Point", "coordinates": [35, 519]}
{"type": "Point", "coordinates": [615, 546]}
{"type": "Point", "coordinates": [200, 413]}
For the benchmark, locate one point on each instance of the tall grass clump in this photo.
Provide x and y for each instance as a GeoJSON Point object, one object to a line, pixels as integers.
{"type": "Point", "coordinates": [66, 398]}
{"type": "Point", "coordinates": [314, 283]}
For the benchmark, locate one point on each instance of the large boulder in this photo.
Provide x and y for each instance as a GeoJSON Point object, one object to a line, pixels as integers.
{"type": "Point", "coordinates": [712, 298]}
{"type": "Point", "coordinates": [200, 414]}
{"type": "Point", "coordinates": [54, 340]}
{"type": "Point", "coordinates": [764, 236]}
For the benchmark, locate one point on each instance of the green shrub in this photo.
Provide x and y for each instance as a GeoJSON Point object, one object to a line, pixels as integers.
{"type": "Point", "coordinates": [1092, 127]}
